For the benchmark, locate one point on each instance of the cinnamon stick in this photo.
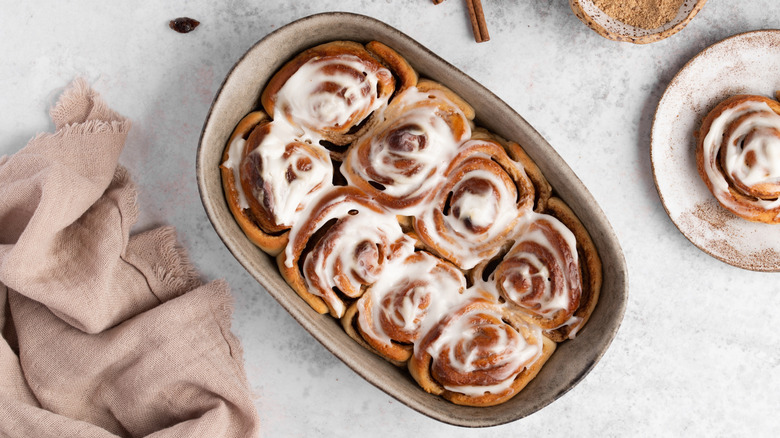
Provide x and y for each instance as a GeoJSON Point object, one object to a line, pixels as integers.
{"type": "Point", "coordinates": [478, 23]}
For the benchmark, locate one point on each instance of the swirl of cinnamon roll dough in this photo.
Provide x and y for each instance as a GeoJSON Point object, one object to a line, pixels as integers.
{"type": "Point", "coordinates": [394, 311]}
{"type": "Point", "coordinates": [542, 188]}
{"type": "Point", "coordinates": [400, 162]}
{"type": "Point", "coordinates": [552, 274]}
{"type": "Point", "coordinates": [540, 274]}
{"type": "Point", "coordinates": [477, 209]}
{"type": "Point", "coordinates": [738, 156]}
{"type": "Point", "coordinates": [340, 248]}
{"type": "Point", "coordinates": [269, 177]}
{"type": "Point", "coordinates": [479, 355]}
{"type": "Point", "coordinates": [332, 89]}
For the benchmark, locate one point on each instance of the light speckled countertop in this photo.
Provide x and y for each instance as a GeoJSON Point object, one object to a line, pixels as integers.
{"type": "Point", "coordinates": [696, 354]}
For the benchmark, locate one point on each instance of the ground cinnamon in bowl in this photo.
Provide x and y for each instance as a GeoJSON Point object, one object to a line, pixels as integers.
{"type": "Point", "coordinates": [645, 14]}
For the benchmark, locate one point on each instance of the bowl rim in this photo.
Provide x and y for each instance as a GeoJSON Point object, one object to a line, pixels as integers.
{"type": "Point", "coordinates": [464, 418]}
{"type": "Point", "coordinates": [645, 39]}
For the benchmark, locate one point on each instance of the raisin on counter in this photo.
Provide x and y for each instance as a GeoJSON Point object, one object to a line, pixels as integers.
{"type": "Point", "coordinates": [183, 24]}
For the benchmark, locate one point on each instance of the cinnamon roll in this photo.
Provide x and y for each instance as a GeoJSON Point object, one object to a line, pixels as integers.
{"type": "Point", "coordinates": [400, 163]}
{"type": "Point", "coordinates": [269, 177]}
{"type": "Point", "coordinates": [551, 276]}
{"type": "Point", "coordinates": [479, 355]}
{"type": "Point", "coordinates": [395, 311]}
{"type": "Point", "coordinates": [479, 206]}
{"type": "Point", "coordinates": [331, 90]}
{"type": "Point", "coordinates": [341, 248]}
{"type": "Point", "coordinates": [738, 156]}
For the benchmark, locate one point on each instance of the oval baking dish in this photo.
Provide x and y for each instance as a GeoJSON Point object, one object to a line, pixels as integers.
{"type": "Point", "coordinates": [239, 95]}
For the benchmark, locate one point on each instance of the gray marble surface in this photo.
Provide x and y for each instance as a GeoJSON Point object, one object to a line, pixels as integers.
{"type": "Point", "coordinates": [697, 353]}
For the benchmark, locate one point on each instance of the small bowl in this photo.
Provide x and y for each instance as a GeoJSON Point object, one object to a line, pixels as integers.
{"type": "Point", "coordinates": [613, 29]}
{"type": "Point", "coordinates": [239, 95]}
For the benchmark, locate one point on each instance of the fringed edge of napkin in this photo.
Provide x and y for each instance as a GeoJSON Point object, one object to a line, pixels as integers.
{"type": "Point", "coordinates": [96, 116]}
{"type": "Point", "coordinates": [176, 272]}
{"type": "Point", "coordinates": [165, 264]}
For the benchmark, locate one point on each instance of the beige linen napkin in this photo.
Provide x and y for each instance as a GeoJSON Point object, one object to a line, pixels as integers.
{"type": "Point", "coordinates": [103, 333]}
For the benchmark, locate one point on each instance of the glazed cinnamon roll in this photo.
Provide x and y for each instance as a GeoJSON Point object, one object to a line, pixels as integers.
{"type": "Point", "coordinates": [400, 163]}
{"type": "Point", "coordinates": [551, 276]}
{"type": "Point", "coordinates": [269, 177]}
{"type": "Point", "coordinates": [331, 90]}
{"type": "Point", "coordinates": [340, 248]}
{"type": "Point", "coordinates": [395, 310]}
{"type": "Point", "coordinates": [478, 208]}
{"type": "Point", "coordinates": [738, 156]}
{"type": "Point", "coordinates": [479, 355]}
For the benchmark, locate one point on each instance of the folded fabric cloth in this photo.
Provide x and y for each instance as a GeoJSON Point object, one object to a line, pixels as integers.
{"type": "Point", "coordinates": [103, 333]}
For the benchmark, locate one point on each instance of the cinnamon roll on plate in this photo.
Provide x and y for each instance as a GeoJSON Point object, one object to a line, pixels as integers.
{"type": "Point", "coordinates": [738, 156]}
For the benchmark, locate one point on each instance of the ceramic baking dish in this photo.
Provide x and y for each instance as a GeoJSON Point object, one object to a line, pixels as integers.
{"type": "Point", "coordinates": [239, 95]}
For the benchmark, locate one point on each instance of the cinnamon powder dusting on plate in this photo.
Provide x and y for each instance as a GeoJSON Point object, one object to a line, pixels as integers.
{"type": "Point", "coordinates": [714, 214]}
{"type": "Point", "coordinates": [645, 14]}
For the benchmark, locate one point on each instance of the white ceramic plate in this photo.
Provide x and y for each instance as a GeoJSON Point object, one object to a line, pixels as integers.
{"type": "Point", "coordinates": [747, 63]}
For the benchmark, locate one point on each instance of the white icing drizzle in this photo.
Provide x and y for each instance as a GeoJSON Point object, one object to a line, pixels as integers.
{"type": "Point", "coordinates": [516, 351]}
{"type": "Point", "coordinates": [496, 211]}
{"type": "Point", "coordinates": [304, 101]}
{"type": "Point", "coordinates": [549, 302]}
{"type": "Point", "coordinates": [444, 290]}
{"type": "Point", "coordinates": [574, 323]}
{"type": "Point", "coordinates": [476, 391]}
{"type": "Point", "coordinates": [482, 212]}
{"type": "Point", "coordinates": [407, 314]}
{"type": "Point", "coordinates": [289, 197]}
{"type": "Point", "coordinates": [441, 144]}
{"type": "Point", "coordinates": [472, 206]}
{"type": "Point", "coordinates": [365, 226]}
{"type": "Point", "coordinates": [764, 148]}
{"type": "Point", "coordinates": [235, 152]}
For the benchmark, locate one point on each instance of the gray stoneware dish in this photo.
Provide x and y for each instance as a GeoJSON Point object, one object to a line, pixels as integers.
{"type": "Point", "coordinates": [239, 95]}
